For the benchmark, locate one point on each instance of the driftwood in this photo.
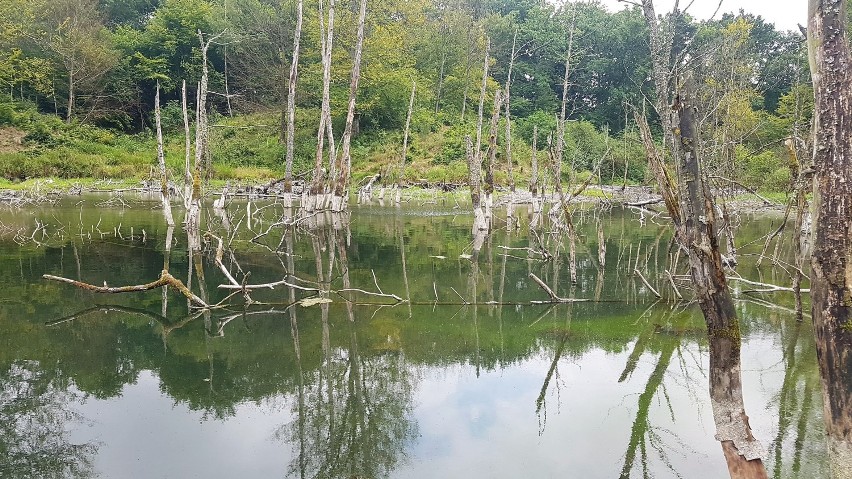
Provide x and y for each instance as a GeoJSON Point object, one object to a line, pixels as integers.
{"type": "Point", "coordinates": [166, 279]}
{"type": "Point", "coordinates": [647, 284]}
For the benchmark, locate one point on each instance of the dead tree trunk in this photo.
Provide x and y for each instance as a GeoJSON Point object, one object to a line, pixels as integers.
{"type": "Point", "coordinates": [508, 115]}
{"type": "Point", "coordinates": [344, 161]}
{"type": "Point", "coordinates": [536, 203]}
{"type": "Point", "coordinates": [201, 128]}
{"type": "Point", "coordinates": [491, 154]}
{"type": "Point", "coordinates": [698, 232]}
{"type": "Point", "coordinates": [478, 145]}
{"type": "Point", "coordinates": [161, 161]}
{"type": "Point", "coordinates": [187, 171]}
{"type": "Point", "coordinates": [831, 260]}
{"type": "Point", "coordinates": [474, 172]}
{"type": "Point", "coordinates": [291, 110]}
{"type": "Point", "coordinates": [405, 144]}
{"type": "Point", "coordinates": [312, 199]}
{"type": "Point", "coordinates": [560, 126]}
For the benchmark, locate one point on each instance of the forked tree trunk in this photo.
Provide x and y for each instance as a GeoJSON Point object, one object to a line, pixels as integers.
{"type": "Point", "coordinates": [344, 161]}
{"type": "Point", "coordinates": [291, 110]}
{"type": "Point", "coordinates": [161, 162]}
{"type": "Point", "coordinates": [405, 145]}
{"type": "Point", "coordinates": [831, 260]}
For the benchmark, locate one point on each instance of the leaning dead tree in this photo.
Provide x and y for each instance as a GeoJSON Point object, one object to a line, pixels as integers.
{"type": "Point", "coordinates": [161, 162]}
{"type": "Point", "coordinates": [831, 260]}
{"type": "Point", "coordinates": [692, 208]}
{"type": "Point", "coordinates": [291, 110]}
{"type": "Point", "coordinates": [344, 161]}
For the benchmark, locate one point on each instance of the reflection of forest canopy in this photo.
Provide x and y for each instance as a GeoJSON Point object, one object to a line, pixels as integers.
{"type": "Point", "coordinates": [34, 415]}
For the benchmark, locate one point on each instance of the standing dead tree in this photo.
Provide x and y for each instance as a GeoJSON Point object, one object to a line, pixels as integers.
{"type": "Point", "coordinates": [161, 162]}
{"type": "Point", "coordinates": [693, 212]}
{"type": "Point", "coordinates": [344, 161]}
{"type": "Point", "coordinates": [491, 155]}
{"type": "Point", "coordinates": [405, 144]}
{"type": "Point", "coordinates": [311, 199]}
{"type": "Point", "coordinates": [831, 260]}
{"type": "Point", "coordinates": [187, 171]}
{"type": "Point", "coordinates": [291, 110]}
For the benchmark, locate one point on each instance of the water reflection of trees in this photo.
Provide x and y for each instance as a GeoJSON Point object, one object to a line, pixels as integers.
{"type": "Point", "coordinates": [35, 414]}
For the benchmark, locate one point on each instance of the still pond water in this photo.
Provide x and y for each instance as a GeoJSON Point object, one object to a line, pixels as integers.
{"type": "Point", "coordinates": [469, 379]}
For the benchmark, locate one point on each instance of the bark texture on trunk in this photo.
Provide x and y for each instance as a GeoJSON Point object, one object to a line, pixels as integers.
{"type": "Point", "coordinates": [187, 148]}
{"type": "Point", "coordinates": [698, 233]}
{"type": "Point", "coordinates": [326, 42]}
{"type": "Point", "coordinates": [831, 260]}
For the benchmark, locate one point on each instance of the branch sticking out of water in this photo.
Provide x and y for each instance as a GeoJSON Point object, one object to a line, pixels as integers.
{"type": "Point", "coordinates": [165, 279]}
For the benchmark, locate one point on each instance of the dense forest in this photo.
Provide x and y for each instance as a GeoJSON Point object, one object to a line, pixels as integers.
{"type": "Point", "coordinates": [79, 78]}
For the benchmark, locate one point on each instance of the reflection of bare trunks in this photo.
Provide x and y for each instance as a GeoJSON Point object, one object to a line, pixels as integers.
{"type": "Point", "coordinates": [742, 451]}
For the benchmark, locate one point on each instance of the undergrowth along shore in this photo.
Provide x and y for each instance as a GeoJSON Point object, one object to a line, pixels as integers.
{"type": "Point", "coordinates": [246, 149]}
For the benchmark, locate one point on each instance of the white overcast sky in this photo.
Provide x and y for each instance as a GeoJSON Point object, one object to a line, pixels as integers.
{"type": "Point", "coordinates": [785, 14]}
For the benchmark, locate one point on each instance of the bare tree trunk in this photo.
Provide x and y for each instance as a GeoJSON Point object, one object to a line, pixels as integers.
{"type": "Point", "coordinates": [478, 146]}
{"type": "Point", "coordinates": [70, 113]}
{"type": "Point", "coordinates": [698, 232]}
{"type": "Point", "coordinates": [187, 171]}
{"type": "Point", "coordinates": [508, 115]}
{"type": "Point", "coordinates": [161, 161]}
{"type": "Point", "coordinates": [831, 260]}
{"type": "Point", "coordinates": [312, 201]}
{"type": "Point", "coordinates": [341, 189]}
{"type": "Point", "coordinates": [440, 80]}
{"type": "Point", "coordinates": [291, 110]}
{"type": "Point", "coordinates": [405, 144]}
{"type": "Point", "coordinates": [201, 128]}
{"type": "Point", "coordinates": [536, 203]}
{"type": "Point", "coordinates": [474, 171]}
{"type": "Point", "coordinates": [560, 126]}
{"type": "Point", "coordinates": [492, 153]}
{"type": "Point", "coordinates": [467, 72]}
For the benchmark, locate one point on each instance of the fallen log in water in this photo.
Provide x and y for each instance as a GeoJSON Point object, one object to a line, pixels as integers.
{"type": "Point", "coordinates": [165, 279]}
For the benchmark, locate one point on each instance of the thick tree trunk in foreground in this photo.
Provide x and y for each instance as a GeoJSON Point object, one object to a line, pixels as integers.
{"type": "Point", "coordinates": [831, 260]}
{"type": "Point", "coordinates": [161, 162]}
{"type": "Point", "coordinates": [693, 214]}
{"type": "Point", "coordinates": [291, 110]}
